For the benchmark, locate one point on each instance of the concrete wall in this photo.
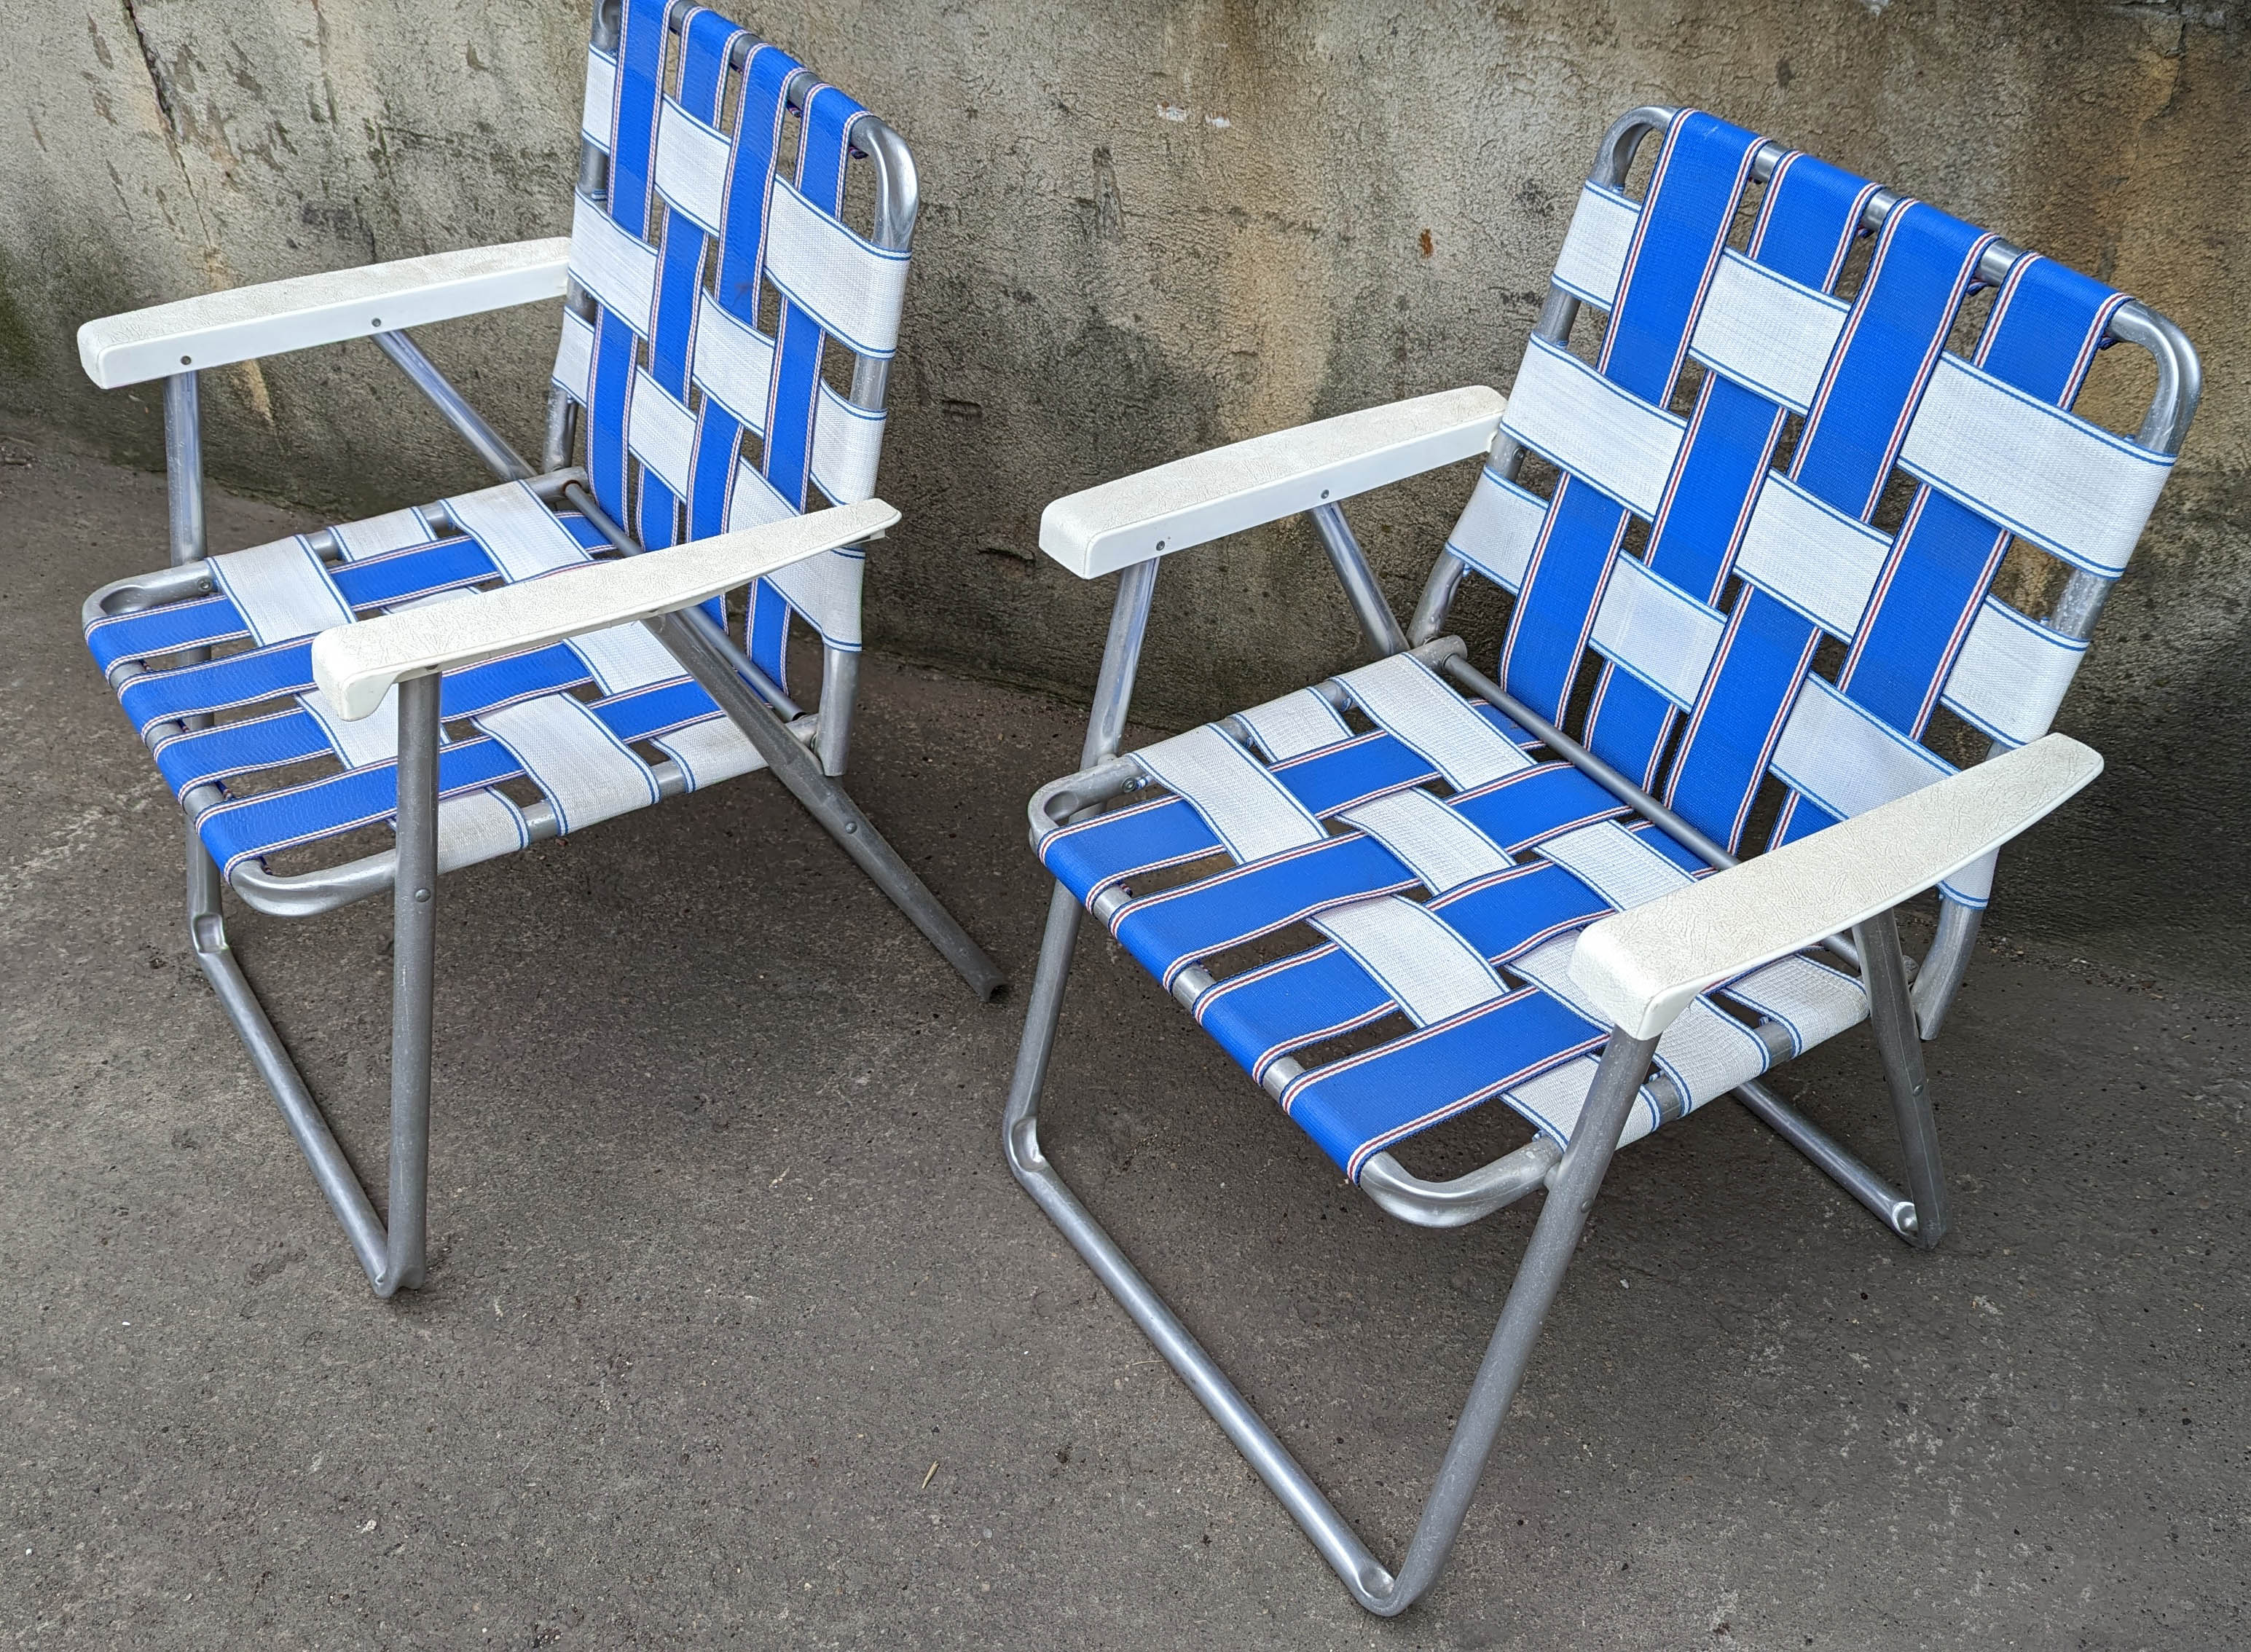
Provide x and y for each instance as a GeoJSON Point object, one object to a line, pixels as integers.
{"type": "Point", "coordinates": [1153, 227]}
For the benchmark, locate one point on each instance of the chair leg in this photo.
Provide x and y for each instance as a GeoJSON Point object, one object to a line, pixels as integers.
{"type": "Point", "coordinates": [1919, 1215]}
{"type": "Point", "coordinates": [1899, 1041]}
{"type": "Point", "coordinates": [207, 934]}
{"type": "Point", "coordinates": [1562, 1218]}
{"type": "Point", "coordinates": [394, 1258]}
{"type": "Point", "coordinates": [705, 652]}
{"type": "Point", "coordinates": [413, 983]}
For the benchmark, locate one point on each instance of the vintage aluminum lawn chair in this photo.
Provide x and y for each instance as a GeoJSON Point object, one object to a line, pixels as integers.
{"type": "Point", "coordinates": [1754, 589]}
{"type": "Point", "coordinates": [712, 292]}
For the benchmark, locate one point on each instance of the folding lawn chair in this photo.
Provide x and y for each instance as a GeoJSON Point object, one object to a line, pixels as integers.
{"type": "Point", "coordinates": [1756, 590]}
{"type": "Point", "coordinates": [285, 689]}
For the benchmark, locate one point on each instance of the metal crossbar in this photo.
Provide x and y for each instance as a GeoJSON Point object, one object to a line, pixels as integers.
{"type": "Point", "coordinates": [1903, 1015]}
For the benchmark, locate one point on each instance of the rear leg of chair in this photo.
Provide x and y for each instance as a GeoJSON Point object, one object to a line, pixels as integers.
{"type": "Point", "coordinates": [1562, 1218]}
{"type": "Point", "coordinates": [1918, 1215]}
{"type": "Point", "coordinates": [393, 1256]}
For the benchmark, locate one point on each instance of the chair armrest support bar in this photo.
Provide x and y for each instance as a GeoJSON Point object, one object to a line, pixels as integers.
{"type": "Point", "coordinates": [215, 329]}
{"type": "Point", "coordinates": [1224, 490]}
{"type": "Point", "coordinates": [1642, 966]}
{"type": "Point", "coordinates": [356, 665]}
{"type": "Point", "coordinates": [491, 446]}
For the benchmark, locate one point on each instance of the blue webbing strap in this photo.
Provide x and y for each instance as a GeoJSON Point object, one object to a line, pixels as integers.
{"type": "Point", "coordinates": [1923, 261]}
{"type": "Point", "coordinates": [1680, 233]}
{"type": "Point", "coordinates": [2041, 338]}
{"type": "Point", "coordinates": [1805, 226]}
{"type": "Point", "coordinates": [758, 117]}
{"type": "Point", "coordinates": [272, 822]}
{"type": "Point", "coordinates": [632, 143]}
{"type": "Point", "coordinates": [706, 39]}
{"type": "Point", "coordinates": [824, 151]}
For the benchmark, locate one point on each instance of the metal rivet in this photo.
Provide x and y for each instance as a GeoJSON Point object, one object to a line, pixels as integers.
{"type": "Point", "coordinates": [421, 894]}
{"type": "Point", "coordinates": [376, 322]}
{"type": "Point", "coordinates": [1160, 544]}
{"type": "Point", "coordinates": [1324, 493]}
{"type": "Point", "coordinates": [851, 828]}
{"type": "Point", "coordinates": [187, 361]}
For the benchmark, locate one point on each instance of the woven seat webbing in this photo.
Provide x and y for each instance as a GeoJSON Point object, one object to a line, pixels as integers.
{"type": "Point", "coordinates": [575, 752]}
{"type": "Point", "coordinates": [1454, 914]}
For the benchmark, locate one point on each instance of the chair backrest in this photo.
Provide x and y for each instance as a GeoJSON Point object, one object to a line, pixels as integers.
{"type": "Point", "coordinates": [1778, 508]}
{"type": "Point", "coordinates": [711, 269]}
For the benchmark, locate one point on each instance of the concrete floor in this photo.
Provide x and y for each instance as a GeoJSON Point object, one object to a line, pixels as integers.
{"type": "Point", "coordinates": [739, 1332]}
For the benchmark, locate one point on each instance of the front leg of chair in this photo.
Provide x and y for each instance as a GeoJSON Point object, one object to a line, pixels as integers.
{"type": "Point", "coordinates": [413, 995]}
{"type": "Point", "coordinates": [840, 691]}
{"type": "Point", "coordinates": [1539, 1276]}
{"type": "Point", "coordinates": [207, 935]}
{"type": "Point", "coordinates": [1899, 1041]}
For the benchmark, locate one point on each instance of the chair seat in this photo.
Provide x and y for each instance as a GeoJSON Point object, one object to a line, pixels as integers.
{"type": "Point", "coordinates": [565, 718]}
{"type": "Point", "coordinates": [1442, 873]}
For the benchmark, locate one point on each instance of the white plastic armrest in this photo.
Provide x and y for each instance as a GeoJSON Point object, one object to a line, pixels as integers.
{"type": "Point", "coordinates": [1224, 490]}
{"type": "Point", "coordinates": [1642, 966]}
{"type": "Point", "coordinates": [355, 665]}
{"type": "Point", "coordinates": [215, 329]}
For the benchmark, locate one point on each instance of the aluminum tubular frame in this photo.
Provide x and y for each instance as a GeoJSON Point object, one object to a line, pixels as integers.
{"type": "Point", "coordinates": [1903, 1015]}
{"type": "Point", "coordinates": [804, 752]}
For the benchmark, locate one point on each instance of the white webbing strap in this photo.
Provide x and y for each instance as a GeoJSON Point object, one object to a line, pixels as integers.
{"type": "Point", "coordinates": [617, 268]}
{"type": "Point", "coordinates": [1296, 724]}
{"type": "Point", "coordinates": [1428, 970]}
{"type": "Point", "coordinates": [625, 658]}
{"type": "Point", "coordinates": [753, 501]}
{"type": "Point", "coordinates": [1812, 1000]}
{"type": "Point", "coordinates": [1657, 631]}
{"type": "Point", "coordinates": [1408, 700]}
{"type": "Point", "coordinates": [1846, 760]}
{"type": "Point", "coordinates": [1431, 840]}
{"type": "Point", "coordinates": [825, 589]}
{"type": "Point", "coordinates": [280, 590]}
{"type": "Point", "coordinates": [601, 95]}
{"type": "Point", "coordinates": [710, 752]}
{"type": "Point", "coordinates": [691, 165]}
{"type": "Point", "coordinates": [853, 287]}
{"type": "Point", "coordinates": [358, 742]}
{"type": "Point", "coordinates": [1767, 332]}
{"type": "Point", "coordinates": [1497, 529]}
{"type": "Point", "coordinates": [1614, 862]}
{"type": "Point", "coordinates": [1706, 1052]}
{"type": "Point", "coordinates": [1252, 814]}
{"type": "Point", "coordinates": [574, 357]}
{"type": "Point", "coordinates": [848, 441]}
{"type": "Point", "coordinates": [733, 362]}
{"type": "Point", "coordinates": [477, 826]}
{"type": "Point", "coordinates": [1805, 552]}
{"type": "Point", "coordinates": [522, 535]}
{"type": "Point", "coordinates": [1603, 433]}
{"type": "Point", "coordinates": [1592, 262]}
{"type": "Point", "coordinates": [1554, 1100]}
{"type": "Point", "coordinates": [2073, 489]}
{"type": "Point", "coordinates": [375, 536]}
{"type": "Point", "coordinates": [2011, 673]}
{"type": "Point", "coordinates": [571, 754]}
{"type": "Point", "coordinates": [660, 431]}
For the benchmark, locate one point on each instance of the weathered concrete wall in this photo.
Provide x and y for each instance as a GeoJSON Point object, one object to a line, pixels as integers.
{"type": "Point", "coordinates": [1153, 227]}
